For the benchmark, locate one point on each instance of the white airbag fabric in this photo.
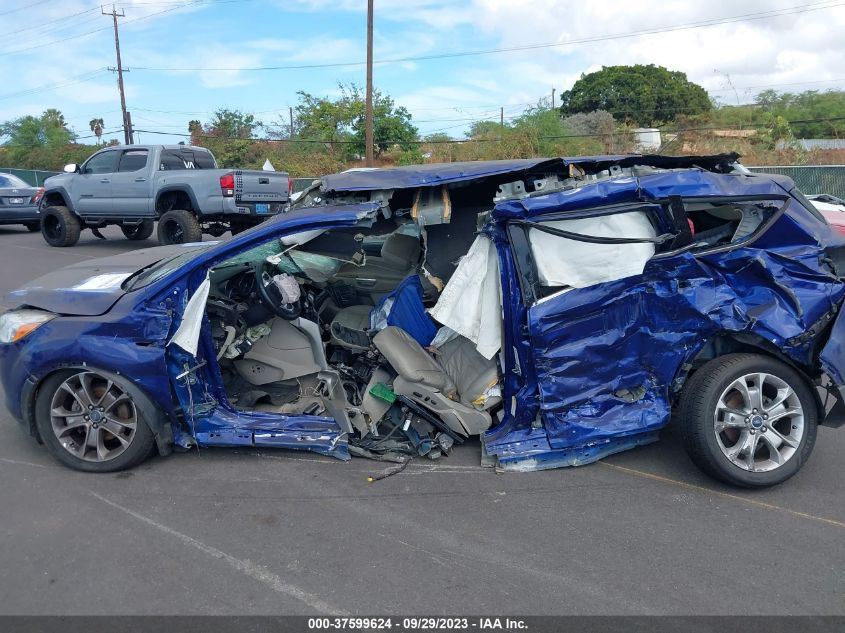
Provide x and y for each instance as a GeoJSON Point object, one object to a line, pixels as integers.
{"type": "Point", "coordinates": [564, 262]}
{"type": "Point", "coordinates": [188, 335]}
{"type": "Point", "coordinates": [471, 303]}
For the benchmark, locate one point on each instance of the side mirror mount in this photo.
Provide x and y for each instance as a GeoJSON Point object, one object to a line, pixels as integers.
{"type": "Point", "coordinates": [71, 168]}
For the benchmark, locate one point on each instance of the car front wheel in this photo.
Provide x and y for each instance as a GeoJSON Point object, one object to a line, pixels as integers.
{"type": "Point", "coordinates": [90, 422]}
{"type": "Point", "coordinates": [748, 420]}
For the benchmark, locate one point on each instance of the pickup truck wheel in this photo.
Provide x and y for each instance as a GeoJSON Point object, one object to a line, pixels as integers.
{"type": "Point", "coordinates": [179, 227]}
{"type": "Point", "coordinates": [749, 420]}
{"type": "Point", "coordinates": [33, 227]}
{"type": "Point", "coordinates": [137, 232]}
{"type": "Point", "coordinates": [60, 227]}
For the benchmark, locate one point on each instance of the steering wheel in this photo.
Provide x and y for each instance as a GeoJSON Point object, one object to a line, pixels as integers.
{"type": "Point", "coordinates": [271, 296]}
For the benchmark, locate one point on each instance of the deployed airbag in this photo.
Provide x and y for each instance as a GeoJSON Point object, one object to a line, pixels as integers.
{"type": "Point", "coordinates": [471, 303]}
{"type": "Point", "coordinates": [188, 335]}
{"type": "Point", "coordinates": [565, 262]}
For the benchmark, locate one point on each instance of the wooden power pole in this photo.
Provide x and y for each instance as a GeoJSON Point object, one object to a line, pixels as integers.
{"type": "Point", "coordinates": [368, 114]}
{"type": "Point", "coordinates": [127, 122]}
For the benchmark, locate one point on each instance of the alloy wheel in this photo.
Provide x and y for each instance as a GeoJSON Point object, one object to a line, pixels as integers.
{"type": "Point", "coordinates": [759, 422]}
{"type": "Point", "coordinates": [93, 418]}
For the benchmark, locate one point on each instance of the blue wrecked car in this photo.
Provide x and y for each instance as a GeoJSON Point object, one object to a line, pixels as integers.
{"type": "Point", "coordinates": [561, 310]}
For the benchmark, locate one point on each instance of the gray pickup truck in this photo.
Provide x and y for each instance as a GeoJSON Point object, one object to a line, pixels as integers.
{"type": "Point", "coordinates": [180, 186]}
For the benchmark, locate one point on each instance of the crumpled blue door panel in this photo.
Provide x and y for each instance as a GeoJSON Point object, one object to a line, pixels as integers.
{"type": "Point", "coordinates": [607, 356]}
{"type": "Point", "coordinates": [212, 421]}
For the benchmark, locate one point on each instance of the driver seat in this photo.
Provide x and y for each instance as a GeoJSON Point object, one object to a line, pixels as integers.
{"type": "Point", "coordinates": [399, 253]}
{"type": "Point", "coordinates": [452, 384]}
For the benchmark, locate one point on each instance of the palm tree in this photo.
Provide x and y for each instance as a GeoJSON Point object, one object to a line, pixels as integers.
{"type": "Point", "coordinates": [97, 128]}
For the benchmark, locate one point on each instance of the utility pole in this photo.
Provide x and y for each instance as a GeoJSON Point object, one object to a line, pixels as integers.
{"type": "Point", "coordinates": [553, 97]}
{"type": "Point", "coordinates": [368, 114]}
{"type": "Point", "coordinates": [127, 122]}
{"type": "Point", "coordinates": [501, 122]}
{"type": "Point", "coordinates": [290, 112]}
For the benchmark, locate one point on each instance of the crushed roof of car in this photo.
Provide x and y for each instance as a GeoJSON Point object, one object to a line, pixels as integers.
{"type": "Point", "coordinates": [433, 174]}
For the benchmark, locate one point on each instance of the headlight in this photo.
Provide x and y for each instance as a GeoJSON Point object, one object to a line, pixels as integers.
{"type": "Point", "coordinates": [17, 324]}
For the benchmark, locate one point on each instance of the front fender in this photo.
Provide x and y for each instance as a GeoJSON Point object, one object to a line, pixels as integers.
{"type": "Point", "coordinates": [61, 191]}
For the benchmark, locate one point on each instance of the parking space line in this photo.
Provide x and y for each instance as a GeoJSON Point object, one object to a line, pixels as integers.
{"type": "Point", "coordinates": [246, 567]}
{"type": "Point", "coordinates": [20, 463]}
{"type": "Point", "coordinates": [726, 495]}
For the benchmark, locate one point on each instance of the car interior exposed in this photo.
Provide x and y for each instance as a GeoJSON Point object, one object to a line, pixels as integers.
{"type": "Point", "coordinates": [336, 324]}
{"type": "Point", "coordinates": [393, 327]}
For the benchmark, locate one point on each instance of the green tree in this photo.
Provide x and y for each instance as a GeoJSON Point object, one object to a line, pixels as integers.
{"type": "Point", "coordinates": [48, 130]}
{"type": "Point", "coordinates": [342, 119]}
{"type": "Point", "coordinates": [96, 126]}
{"type": "Point", "coordinates": [481, 129]}
{"type": "Point", "coordinates": [642, 94]}
{"type": "Point", "coordinates": [228, 135]}
{"type": "Point", "coordinates": [812, 114]}
{"type": "Point", "coordinates": [232, 124]}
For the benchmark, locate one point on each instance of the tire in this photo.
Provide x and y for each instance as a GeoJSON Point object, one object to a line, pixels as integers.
{"type": "Point", "coordinates": [69, 437]}
{"type": "Point", "coordinates": [138, 232]}
{"type": "Point", "coordinates": [733, 440]}
{"type": "Point", "coordinates": [60, 227]}
{"type": "Point", "coordinates": [179, 227]}
{"type": "Point", "coordinates": [33, 227]}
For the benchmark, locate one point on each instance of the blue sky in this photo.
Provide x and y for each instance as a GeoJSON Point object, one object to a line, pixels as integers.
{"type": "Point", "coordinates": [60, 49]}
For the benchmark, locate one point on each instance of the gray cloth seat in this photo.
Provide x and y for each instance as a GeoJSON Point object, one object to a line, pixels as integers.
{"type": "Point", "coordinates": [354, 317]}
{"type": "Point", "coordinates": [400, 254]}
{"type": "Point", "coordinates": [451, 383]}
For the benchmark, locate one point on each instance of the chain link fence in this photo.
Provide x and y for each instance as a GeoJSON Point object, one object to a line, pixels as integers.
{"type": "Point", "coordinates": [811, 179]}
{"type": "Point", "coordinates": [34, 177]}
{"type": "Point", "coordinates": [301, 184]}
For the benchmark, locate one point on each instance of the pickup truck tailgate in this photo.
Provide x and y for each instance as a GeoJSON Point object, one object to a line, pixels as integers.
{"type": "Point", "coordinates": [261, 186]}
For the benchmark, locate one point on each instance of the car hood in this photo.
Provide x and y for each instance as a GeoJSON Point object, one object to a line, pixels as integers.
{"type": "Point", "coordinates": [87, 288]}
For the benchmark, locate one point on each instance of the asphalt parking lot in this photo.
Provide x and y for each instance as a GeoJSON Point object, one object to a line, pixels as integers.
{"type": "Point", "coordinates": [274, 532]}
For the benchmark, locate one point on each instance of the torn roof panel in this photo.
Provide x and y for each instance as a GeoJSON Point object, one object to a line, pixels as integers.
{"type": "Point", "coordinates": [433, 174]}
{"type": "Point", "coordinates": [655, 186]}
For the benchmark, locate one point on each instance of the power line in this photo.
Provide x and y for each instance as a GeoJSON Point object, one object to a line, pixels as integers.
{"type": "Point", "coordinates": [63, 19]}
{"type": "Point", "coordinates": [745, 17]}
{"type": "Point", "coordinates": [29, 6]}
{"type": "Point", "coordinates": [49, 87]}
{"type": "Point", "coordinates": [138, 19]}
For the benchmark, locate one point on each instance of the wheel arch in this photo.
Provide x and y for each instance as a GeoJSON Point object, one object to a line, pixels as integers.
{"type": "Point", "coordinates": [725, 342]}
{"type": "Point", "coordinates": [175, 197]}
{"type": "Point", "coordinates": [57, 198]}
{"type": "Point", "coordinates": [156, 419]}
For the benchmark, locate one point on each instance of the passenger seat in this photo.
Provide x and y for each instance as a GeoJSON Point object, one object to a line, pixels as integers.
{"type": "Point", "coordinates": [451, 384]}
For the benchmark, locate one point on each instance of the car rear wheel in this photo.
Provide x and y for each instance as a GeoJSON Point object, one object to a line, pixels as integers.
{"type": "Point", "coordinates": [33, 227]}
{"type": "Point", "coordinates": [748, 420]}
{"type": "Point", "coordinates": [137, 232]}
{"type": "Point", "coordinates": [60, 227]}
{"type": "Point", "coordinates": [179, 227]}
{"type": "Point", "coordinates": [89, 422]}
